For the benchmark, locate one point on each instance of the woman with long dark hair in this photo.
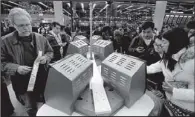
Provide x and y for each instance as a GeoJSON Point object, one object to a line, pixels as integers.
{"type": "Point", "coordinates": [43, 31]}
{"type": "Point", "coordinates": [177, 66]}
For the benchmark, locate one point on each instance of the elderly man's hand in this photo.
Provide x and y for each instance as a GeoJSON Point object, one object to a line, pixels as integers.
{"type": "Point", "coordinates": [140, 49]}
{"type": "Point", "coordinates": [43, 59]}
{"type": "Point", "coordinates": [23, 70]}
{"type": "Point", "coordinates": [63, 44]}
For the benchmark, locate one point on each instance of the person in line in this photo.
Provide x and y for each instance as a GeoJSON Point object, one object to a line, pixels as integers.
{"type": "Point", "coordinates": [142, 45]}
{"type": "Point", "coordinates": [137, 32]}
{"type": "Point", "coordinates": [165, 28]}
{"type": "Point", "coordinates": [68, 29]}
{"type": "Point", "coordinates": [42, 31]}
{"type": "Point", "coordinates": [117, 42]}
{"type": "Point", "coordinates": [56, 42]}
{"type": "Point", "coordinates": [19, 50]}
{"type": "Point", "coordinates": [126, 40]}
{"type": "Point", "coordinates": [98, 31]}
{"type": "Point", "coordinates": [65, 38]}
{"type": "Point", "coordinates": [157, 78]}
{"type": "Point", "coordinates": [177, 66]}
{"type": "Point", "coordinates": [106, 33]}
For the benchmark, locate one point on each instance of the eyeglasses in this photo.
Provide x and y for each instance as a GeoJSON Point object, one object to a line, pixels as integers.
{"type": "Point", "coordinates": [193, 34]}
{"type": "Point", "coordinates": [23, 25]}
{"type": "Point", "coordinates": [157, 45]}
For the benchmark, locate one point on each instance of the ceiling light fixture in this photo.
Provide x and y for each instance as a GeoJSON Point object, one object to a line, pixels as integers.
{"type": "Point", "coordinates": [82, 6]}
{"type": "Point", "coordinates": [68, 4]}
{"type": "Point", "coordinates": [15, 3]}
{"type": "Point", "coordinates": [43, 4]}
{"type": "Point", "coordinates": [6, 4]}
{"type": "Point", "coordinates": [94, 5]}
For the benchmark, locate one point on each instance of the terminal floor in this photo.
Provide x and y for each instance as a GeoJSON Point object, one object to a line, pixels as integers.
{"type": "Point", "coordinates": [19, 108]}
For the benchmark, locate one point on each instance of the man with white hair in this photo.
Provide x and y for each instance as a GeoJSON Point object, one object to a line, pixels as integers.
{"type": "Point", "coordinates": [142, 45]}
{"type": "Point", "coordinates": [19, 50]}
{"type": "Point", "coordinates": [55, 40]}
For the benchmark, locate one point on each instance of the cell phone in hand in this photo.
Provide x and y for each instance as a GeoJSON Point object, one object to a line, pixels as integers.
{"type": "Point", "coordinates": [141, 47]}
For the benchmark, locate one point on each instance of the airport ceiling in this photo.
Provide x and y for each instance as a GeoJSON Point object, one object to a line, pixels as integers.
{"type": "Point", "coordinates": [82, 7]}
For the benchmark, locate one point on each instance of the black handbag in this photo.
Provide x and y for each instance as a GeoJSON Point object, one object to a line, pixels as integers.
{"type": "Point", "coordinates": [175, 110]}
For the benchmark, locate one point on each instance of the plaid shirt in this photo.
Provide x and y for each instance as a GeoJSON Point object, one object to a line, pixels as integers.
{"type": "Point", "coordinates": [12, 51]}
{"type": "Point", "coordinates": [55, 45]}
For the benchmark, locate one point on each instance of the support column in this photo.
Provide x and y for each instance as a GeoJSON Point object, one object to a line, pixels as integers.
{"type": "Point", "coordinates": [114, 5]}
{"type": "Point", "coordinates": [109, 12]}
{"type": "Point", "coordinates": [71, 5]}
{"type": "Point", "coordinates": [114, 12]}
{"type": "Point", "coordinates": [159, 14]}
{"type": "Point", "coordinates": [73, 15]}
{"type": "Point", "coordinates": [58, 12]}
{"type": "Point", "coordinates": [106, 15]}
{"type": "Point", "coordinates": [90, 21]}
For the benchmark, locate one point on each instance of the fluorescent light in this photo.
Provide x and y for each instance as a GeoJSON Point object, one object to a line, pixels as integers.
{"type": "Point", "coordinates": [6, 4]}
{"type": "Point", "coordinates": [119, 6]}
{"type": "Point", "coordinates": [43, 4]}
{"type": "Point", "coordinates": [68, 4]}
{"type": "Point", "coordinates": [66, 11]}
{"type": "Point", "coordinates": [129, 7]}
{"type": "Point", "coordinates": [104, 7]}
{"type": "Point", "coordinates": [94, 5]}
{"type": "Point", "coordinates": [14, 3]}
{"type": "Point", "coordinates": [82, 6]}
